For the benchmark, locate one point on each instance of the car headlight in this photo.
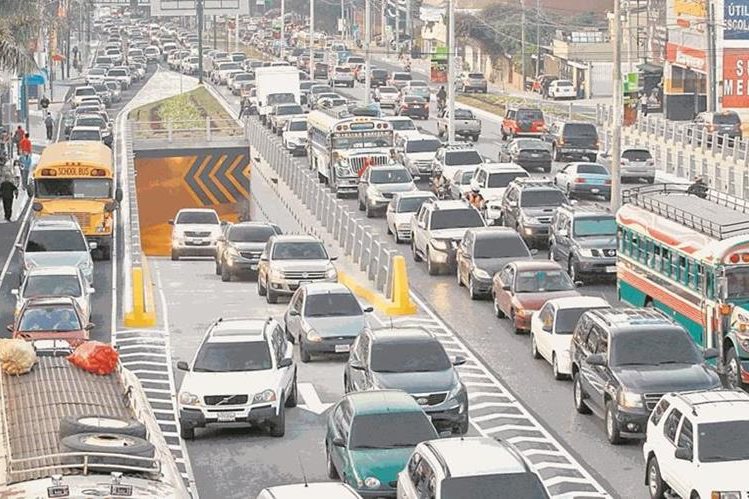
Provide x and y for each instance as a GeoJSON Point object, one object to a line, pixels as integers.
{"type": "Point", "coordinates": [456, 391]}
{"type": "Point", "coordinates": [481, 273]}
{"type": "Point", "coordinates": [331, 272]}
{"type": "Point", "coordinates": [187, 398]}
{"type": "Point", "coordinates": [264, 396]}
{"type": "Point", "coordinates": [586, 252]}
{"type": "Point", "coordinates": [313, 336]}
{"type": "Point", "coordinates": [276, 274]}
{"type": "Point", "coordinates": [725, 495]}
{"type": "Point", "coordinates": [233, 252]}
{"type": "Point", "coordinates": [439, 244]}
{"type": "Point", "coordinates": [374, 192]}
{"type": "Point", "coordinates": [630, 399]}
{"type": "Point", "coordinates": [371, 482]}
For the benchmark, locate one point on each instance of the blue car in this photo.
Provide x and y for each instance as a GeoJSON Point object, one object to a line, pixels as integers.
{"type": "Point", "coordinates": [591, 179]}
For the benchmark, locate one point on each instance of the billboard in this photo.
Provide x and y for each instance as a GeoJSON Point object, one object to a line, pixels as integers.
{"type": "Point", "coordinates": [735, 78]}
{"type": "Point", "coordinates": [210, 7]}
{"type": "Point", "coordinates": [690, 8]}
{"type": "Point", "coordinates": [736, 20]}
{"type": "Point", "coordinates": [686, 56]}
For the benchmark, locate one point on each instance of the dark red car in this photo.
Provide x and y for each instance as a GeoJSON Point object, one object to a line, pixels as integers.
{"type": "Point", "coordinates": [51, 321]}
{"type": "Point", "coordinates": [413, 106]}
{"type": "Point", "coordinates": [523, 287]}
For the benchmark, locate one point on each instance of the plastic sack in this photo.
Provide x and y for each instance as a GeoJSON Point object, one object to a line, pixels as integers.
{"type": "Point", "coordinates": [95, 357]}
{"type": "Point", "coordinates": [17, 356]}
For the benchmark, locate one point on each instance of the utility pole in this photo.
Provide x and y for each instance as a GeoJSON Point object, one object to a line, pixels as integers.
{"type": "Point", "coordinates": [397, 25]}
{"type": "Point", "coordinates": [283, 28]}
{"type": "Point", "coordinates": [538, 38]}
{"type": "Point", "coordinates": [382, 23]}
{"type": "Point", "coordinates": [343, 21]}
{"type": "Point", "coordinates": [616, 147]}
{"type": "Point", "coordinates": [710, 44]}
{"type": "Point", "coordinates": [312, 39]}
{"type": "Point", "coordinates": [522, 45]}
{"type": "Point", "coordinates": [409, 28]}
{"type": "Point", "coordinates": [215, 27]}
{"type": "Point", "coordinates": [236, 29]}
{"type": "Point", "coordinates": [199, 8]}
{"type": "Point", "coordinates": [367, 47]}
{"type": "Point", "coordinates": [451, 54]}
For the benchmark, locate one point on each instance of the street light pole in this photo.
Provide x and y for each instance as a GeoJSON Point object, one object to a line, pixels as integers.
{"type": "Point", "coordinates": [343, 21]}
{"type": "Point", "coordinates": [283, 28]}
{"type": "Point", "coordinates": [711, 58]}
{"type": "Point", "coordinates": [312, 39]}
{"type": "Point", "coordinates": [409, 28]}
{"type": "Point", "coordinates": [367, 43]}
{"type": "Point", "coordinates": [397, 25]}
{"type": "Point", "coordinates": [522, 45]}
{"type": "Point", "coordinates": [616, 146]}
{"type": "Point", "coordinates": [199, 7]}
{"type": "Point", "coordinates": [451, 54]}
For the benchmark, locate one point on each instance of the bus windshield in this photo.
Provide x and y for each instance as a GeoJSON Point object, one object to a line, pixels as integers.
{"type": "Point", "coordinates": [363, 142]}
{"type": "Point", "coordinates": [73, 188]}
{"type": "Point", "coordinates": [738, 284]}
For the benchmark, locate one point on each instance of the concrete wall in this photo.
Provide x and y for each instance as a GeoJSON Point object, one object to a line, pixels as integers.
{"type": "Point", "coordinates": [584, 52]}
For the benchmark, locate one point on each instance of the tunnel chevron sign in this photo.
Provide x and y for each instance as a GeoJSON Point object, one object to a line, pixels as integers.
{"type": "Point", "coordinates": [219, 177]}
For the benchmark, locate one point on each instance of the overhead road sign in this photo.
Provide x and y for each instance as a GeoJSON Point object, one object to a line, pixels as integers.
{"type": "Point", "coordinates": [210, 7]}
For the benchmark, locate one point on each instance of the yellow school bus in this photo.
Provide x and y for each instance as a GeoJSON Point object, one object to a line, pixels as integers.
{"type": "Point", "coordinates": [77, 178]}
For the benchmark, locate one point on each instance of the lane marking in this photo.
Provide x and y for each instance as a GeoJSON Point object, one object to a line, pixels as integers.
{"type": "Point", "coordinates": [312, 400]}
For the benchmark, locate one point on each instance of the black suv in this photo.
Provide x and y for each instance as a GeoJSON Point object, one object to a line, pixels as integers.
{"type": "Point", "coordinates": [583, 239]}
{"type": "Point", "coordinates": [412, 360]}
{"type": "Point", "coordinates": [573, 140]}
{"type": "Point", "coordinates": [625, 359]}
{"type": "Point", "coordinates": [528, 205]}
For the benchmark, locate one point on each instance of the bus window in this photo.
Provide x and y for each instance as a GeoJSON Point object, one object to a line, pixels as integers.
{"type": "Point", "coordinates": [634, 245]}
{"type": "Point", "coordinates": [683, 270]}
{"type": "Point", "coordinates": [656, 258]}
{"type": "Point", "coordinates": [666, 258]}
{"type": "Point", "coordinates": [710, 284]}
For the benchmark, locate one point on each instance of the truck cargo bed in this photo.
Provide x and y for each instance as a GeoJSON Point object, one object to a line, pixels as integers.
{"type": "Point", "coordinates": [35, 403]}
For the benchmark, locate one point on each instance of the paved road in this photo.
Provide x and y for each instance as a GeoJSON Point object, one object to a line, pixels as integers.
{"type": "Point", "coordinates": [619, 469]}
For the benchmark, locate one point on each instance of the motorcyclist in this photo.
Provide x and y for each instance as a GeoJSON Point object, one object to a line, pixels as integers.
{"type": "Point", "coordinates": [246, 107]}
{"type": "Point", "coordinates": [441, 98]}
{"type": "Point", "coordinates": [439, 183]}
{"type": "Point", "coordinates": [698, 188]}
{"type": "Point", "coordinates": [474, 196]}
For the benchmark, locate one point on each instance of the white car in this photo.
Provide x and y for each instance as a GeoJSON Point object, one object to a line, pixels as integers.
{"type": "Point", "coordinates": [152, 53]}
{"type": "Point", "coordinates": [417, 153]}
{"type": "Point", "coordinates": [401, 208]}
{"type": "Point", "coordinates": [492, 180]}
{"type": "Point", "coordinates": [88, 133]}
{"type": "Point", "coordinates": [240, 79]}
{"type": "Point", "coordinates": [698, 445]}
{"type": "Point", "coordinates": [122, 74]}
{"type": "Point", "coordinates": [552, 326]}
{"type": "Point", "coordinates": [328, 490]}
{"type": "Point", "coordinates": [403, 126]}
{"type": "Point", "coordinates": [387, 96]}
{"type": "Point", "coordinates": [80, 93]}
{"type": "Point", "coordinates": [294, 135]}
{"type": "Point", "coordinates": [195, 232]}
{"type": "Point", "coordinates": [230, 75]}
{"type": "Point", "coordinates": [55, 281]}
{"type": "Point", "coordinates": [243, 372]}
{"type": "Point", "coordinates": [96, 75]}
{"type": "Point", "coordinates": [562, 89]}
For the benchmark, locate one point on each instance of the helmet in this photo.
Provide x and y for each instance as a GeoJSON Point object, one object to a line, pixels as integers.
{"type": "Point", "coordinates": [475, 186]}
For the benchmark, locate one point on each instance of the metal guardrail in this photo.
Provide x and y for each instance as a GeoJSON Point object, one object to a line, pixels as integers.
{"type": "Point", "coordinates": [357, 240]}
{"type": "Point", "coordinates": [205, 129]}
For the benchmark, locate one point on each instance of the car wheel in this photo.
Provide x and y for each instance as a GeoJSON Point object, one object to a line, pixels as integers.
{"type": "Point", "coordinates": [332, 472]}
{"type": "Point", "coordinates": [497, 310]}
{"type": "Point", "coordinates": [555, 368]}
{"type": "Point", "coordinates": [656, 486]}
{"type": "Point", "coordinates": [733, 369]}
{"type": "Point", "coordinates": [218, 267]}
{"type": "Point", "coordinates": [398, 240]}
{"type": "Point", "coordinates": [462, 428]}
{"type": "Point", "coordinates": [551, 252]}
{"type": "Point", "coordinates": [651, 180]}
{"type": "Point", "coordinates": [225, 274]}
{"type": "Point", "coordinates": [431, 266]}
{"type": "Point", "coordinates": [303, 352]}
{"type": "Point", "coordinates": [555, 154]}
{"type": "Point", "coordinates": [414, 253]}
{"type": "Point", "coordinates": [475, 138]}
{"type": "Point", "coordinates": [534, 347]}
{"type": "Point", "coordinates": [612, 430]}
{"type": "Point", "coordinates": [291, 399]}
{"type": "Point", "coordinates": [388, 230]}
{"type": "Point", "coordinates": [175, 255]}
{"type": "Point", "coordinates": [472, 290]}
{"type": "Point", "coordinates": [278, 426]}
{"type": "Point", "coordinates": [271, 296]}
{"type": "Point", "coordinates": [578, 395]}
{"type": "Point", "coordinates": [515, 329]}
{"type": "Point", "coordinates": [186, 433]}
{"type": "Point", "coordinates": [261, 289]}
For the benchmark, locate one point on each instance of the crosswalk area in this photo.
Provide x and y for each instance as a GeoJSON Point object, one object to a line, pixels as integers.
{"type": "Point", "coordinates": [146, 354]}
{"type": "Point", "coordinates": [495, 412]}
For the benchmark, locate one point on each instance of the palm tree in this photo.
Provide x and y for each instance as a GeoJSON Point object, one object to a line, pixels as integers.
{"type": "Point", "coordinates": [21, 21]}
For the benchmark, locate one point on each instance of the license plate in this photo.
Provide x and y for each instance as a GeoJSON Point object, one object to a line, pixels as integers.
{"type": "Point", "coordinates": [198, 241]}
{"type": "Point", "coordinates": [226, 417]}
{"type": "Point", "coordinates": [535, 155]}
{"type": "Point", "coordinates": [342, 348]}
{"type": "Point", "coordinates": [304, 282]}
{"type": "Point", "coordinates": [611, 269]}
{"type": "Point", "coordinates": [595, 191]}
{"type": "Point", "coordinates": [253, 267]}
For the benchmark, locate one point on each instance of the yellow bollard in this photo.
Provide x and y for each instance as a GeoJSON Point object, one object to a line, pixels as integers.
{"type": "Point", "coordinates": [402, 304]}
{"type": "Point", "coordinates": [143, 313]}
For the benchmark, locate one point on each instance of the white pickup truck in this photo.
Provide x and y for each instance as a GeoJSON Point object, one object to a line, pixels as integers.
{"type": "Point", "coordinates": [69, 433]}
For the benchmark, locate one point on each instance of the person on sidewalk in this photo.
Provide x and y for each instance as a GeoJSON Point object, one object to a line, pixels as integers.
{"type": "Point", "coordinates": [6, 147]}
{"type": "Point", "coordinates": [644, 104]}
{"type": "Point", "coordinates": [17, 138]}
{"type": "Point", "coordinates": [44, 103]}
{"type": "Point", "coordinates": [25, 151]}
{"type": "Point", "coordinates": [8, 192]}
{"type": "Point", "coordinates": [49, 123]}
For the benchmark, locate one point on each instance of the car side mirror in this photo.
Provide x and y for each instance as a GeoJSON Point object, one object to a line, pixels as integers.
{"type": "Point", "coordinates": [263, 258]}
{"type": "Point", "coordinates": [14, 292]}
{"type": "Point", "coordinates": [534, 251]}
{"type": "Point", "coordinates": [89, 326]}
{"type": "Point", "coordinates": [710, 353]}
{"type": "Point", "coordinates": [293, 313]}
{"type": "Point", "coordinates": [171, 222]}
{"type": "Point", "coordinates": [285, 362]}
{"type": "Point", "coordinates": [92, 245]}
{"type": "Point", "coordinates": [579, 284]}
{"type": "Point", "coordinates": [458, 360]}
{"type": "Point", "coordinates": [369, 310]}
{"type": "Point", "coordinates": [333, 258]}
{"type": "Point", "coordinates": [546, 328]}
{"type": "Point", "coordinates": [339, 442]}
{"type": "Point", "coordinates": [182, 366]}
{"type": "Point", "coordinates": [91, 291]}
{"type": "Point", "coordinates": [684, 454]}
{"type": "Point", "coordinates": [118, 195]}
{"type": "Point", "coordinates": [512, 204]}
{"type": "Point", "coordinates": [596, 359]}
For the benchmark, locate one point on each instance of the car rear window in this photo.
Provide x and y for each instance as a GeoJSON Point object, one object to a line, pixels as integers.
{"type": "Point", "coordinates": [456, 219]}
{"type": "Point", "coordinates": [463, 114]}
{"type": "Point", "coordinates": [726, 119]}
{"type": "Point", "coordinates": [402, 76]}
{"type": "Point", "coordinates": [476, 76]}
{"type": "Point", "coordinates": [55, 240]}
{"type": "Point", "coordinates": [637, 155]}
{"type": "Point", "coordinates": [592, 168]}
{"type": "Point", "coordinates": [580, 130]}
{"type": "Point", "coordinates": [530, 115]}
{"type": "Point", "coordinates": [455, 158]}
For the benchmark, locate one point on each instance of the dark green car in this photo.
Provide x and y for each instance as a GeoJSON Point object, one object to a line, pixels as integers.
{"type": "Point", "coordinates": [370, 436]}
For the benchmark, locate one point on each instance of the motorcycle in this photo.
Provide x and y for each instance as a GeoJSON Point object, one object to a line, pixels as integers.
{"type": "Point", "coordinates": [439, 190]}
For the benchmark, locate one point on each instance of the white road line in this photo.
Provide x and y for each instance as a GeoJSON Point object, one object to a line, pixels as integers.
{"type": "Point", "coordinates": [496, 415]}
{"type": "Point", "coordinates": [475, 395]}
{"type": "Point", "coordinates": [487, 405]}
{"type": "Point", "coordinates": [312, 401]}
{"type": "Point", "coordinates": [511, 427]}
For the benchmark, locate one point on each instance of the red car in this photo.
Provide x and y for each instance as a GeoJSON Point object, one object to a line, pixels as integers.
{"type": "Point", "coordinates": [413, 106]}
{"type": "Point", "coordinates": [520, 121]}
{"type": "Point", "coordinates": [523, 287]}
{"type": "Point", "coordinates": [49, 320]}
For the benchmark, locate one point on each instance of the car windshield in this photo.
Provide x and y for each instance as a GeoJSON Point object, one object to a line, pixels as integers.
{"type": "Point", "coordinates": [456, 158]}
{"type": "Point", "coordinates": [97, 122]}
{"type": "Point", "coordinates": [332, 304]}
{"type": "Point", "coordinates": [366, 142]}
{"type": "Point", "coordinates": [284, 110]}
{"type": "Point", "coordinates": [342, 70]}
{"type": "Point", "coordinates": [409, 356]}
{"type": "Point", "coordinates": [563, 83]}
{"type": "Point", "coordinates": [414, 99]}
{"type": "Point", "coordinates": [226, 66]}
{"type": "Point", "coordinates": [298, 126]}
{"type": "Point", "coordinates": [400, 125]}
{"type": "Point", "coordinates": [463, 114]}
{"type": "Point", "coordinates": [499, 180]}
{"type": "Point", "coordinates": [525, 485]}
{"type": "Point", "coordinates": [567, 319]}
{"type": "Point", "coordinates": [723, 441]}
{"type": "Point", "coordinates": [592, 168]}
{"type": "Point", "coordinates": [636, 155]}
{"type": "Point", "coordinates": [388, 90]}
{"type": "Point", "coordinates": [55, 240]}
{"type": "Point", "coordinates": [311, 250]}
{"type": "Point", "coordinates": [454, 219]}
{"type": "Point", "coordinates": [543, 281]}
{"type": "Point", "coordinates": [530, 115]}
{"type": "Point", "coordinates": [595, 226]}
{"type": "Point", "coordinates": [78, 188]}
{"type": "Point", "coordinates": [537, 198]}
{"type": "Point", "coordinates": [52, 285]}
{"type": "Point", "coordinates": [653, 346]}
{"type": "Point", "coordinates": [426, 145]}
{"type": "Point", "coordinates": [85, 135]}
{"type": "Point", "coordinates": [390, 430]}
{"type": "Point", "coordinates": [198, 217]}
{"type": "Point", "coordinates": [401, 76]}
{"type": "Point", "coordinates": [382, 176]}
{"type": "Point", "coordinates": [411, 204]}
{"type": "Point", "coordinates": [58, 318]}
{"type": "Point", "coordinates": [112, 85]}
{"type": "Point", "coordinates": [254, 234]}
{"type": "Point", "coordinates": [500, 246]}
{"type": "Point", "coordinates": [379, 73]}
{"type": "Point", "coordinates": [233, 357]}
{"type": "Point", "coordinates": [476, 76]}
{"type": "Point", "coordinates": [244, 77]}
{"type": "Point", "coordinates": [726, 119]}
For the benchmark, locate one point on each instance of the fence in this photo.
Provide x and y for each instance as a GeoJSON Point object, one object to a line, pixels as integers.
{"type": "Point", "coordinates": [357, 240]}
{"type": "Point", "coordinates": [204, 129]}
{"type": "Point", "coordinates": [686, 150]}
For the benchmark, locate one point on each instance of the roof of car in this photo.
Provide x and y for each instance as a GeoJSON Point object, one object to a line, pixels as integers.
{"type": "Point", "coordinates": [414, 194]}
{"type": "Point", "coordinates": [493, 231]}
{"type": "Point", "coordinates": [523, 265]}
{"type": "Point", "coordinates": [238, 329]}
{"type": "Point", "coordinates": [86, 128]}
{"type": "Point", "coordinates": [396, 334]}
{"type": "Point", "coordinates": [382, 401]}
{"type": "Point", "coordinates": [587, 209]}
{"type": "Point", "coordinates": [202, 210]}
{"type": "Point", "coordinates": [716, 405]}
{"type": "Point", "coordinates": [502, 167]}
{"type": "Point", "coordinates": [295, 238]}
{"type": "Point", "coordinates": [321, 288]}
{"type": "Point", "coordinates": [471, 456]}
{"type": "Point", "coordinates": [55, 222]}
{"type": "Point", "coordinates": [628, 317]}
{"type": "Point", "coordinates": [450, 204]}
{"type": "Point", "coordinates": [50, 300]}
{"type": "Point", "coordinates": [579, 302]}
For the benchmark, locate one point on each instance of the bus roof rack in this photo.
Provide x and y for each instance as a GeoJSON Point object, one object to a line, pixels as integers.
{"type": "Point", "coordinates": [721, 217]}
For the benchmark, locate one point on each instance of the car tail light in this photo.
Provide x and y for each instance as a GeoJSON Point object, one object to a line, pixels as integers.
{"type": "Point", "coordinates": [607, 181]}
{"type": "Point", "coordinates": [625, 161]}
{"type": "Point", "coordinates": [579, 180]}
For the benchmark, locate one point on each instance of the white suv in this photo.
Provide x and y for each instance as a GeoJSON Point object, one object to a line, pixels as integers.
{"type": "Point", "coordinates": [243, 372]}
{"type": "Point", "coordinates": [195, 232]}
{"type": "Point", "coordinates": [698, 445]}
{"type": "Point", "coordinates": [492, 180]}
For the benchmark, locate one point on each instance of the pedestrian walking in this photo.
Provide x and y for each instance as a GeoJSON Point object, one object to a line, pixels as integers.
{"type": "Point", "coordinates": [644, 104]}
{"type": "Point", "coordinates": [44, 102]}
{"type": "Point", "coordinates": [25, 151]}
{"type": "Point", "coordinates": [8, 193]}
{"type": "Point", "coordinates": [49, 123]}
{"type": "Point", "coordinates": [17, 138]}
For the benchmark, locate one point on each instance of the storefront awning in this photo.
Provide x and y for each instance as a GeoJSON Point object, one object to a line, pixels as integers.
{"type": "Point", "coordinates": [578, 65]}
